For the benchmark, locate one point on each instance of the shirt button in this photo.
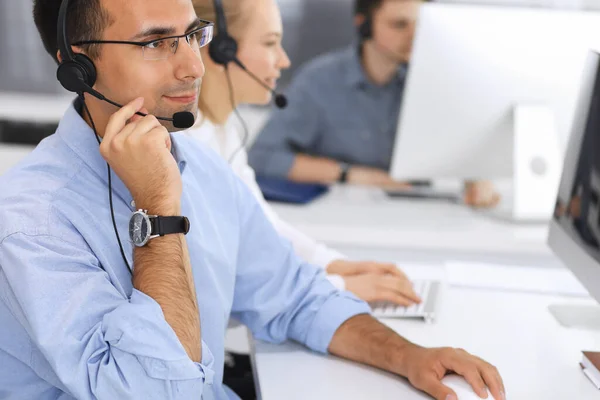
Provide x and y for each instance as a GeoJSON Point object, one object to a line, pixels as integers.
{"type": "Point", "coordinates": [132, 204]}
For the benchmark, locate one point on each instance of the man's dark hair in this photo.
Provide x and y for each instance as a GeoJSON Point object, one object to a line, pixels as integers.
{"type": "Point", "coordinates": [366, 7]}
{"type": "Point", "coordinates": [86, 20]}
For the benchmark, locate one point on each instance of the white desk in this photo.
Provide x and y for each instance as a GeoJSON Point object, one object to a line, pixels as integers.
{"type": "Point", "coordinates": [537, 358]}
{"type": "Point", "coordinates": [352, 216]}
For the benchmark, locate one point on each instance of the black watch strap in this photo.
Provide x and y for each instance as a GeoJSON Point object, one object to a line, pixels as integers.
{"type": "Point", "coordinates": [162, 226]}
{"type": "Point", "coordinates": [345, 168]}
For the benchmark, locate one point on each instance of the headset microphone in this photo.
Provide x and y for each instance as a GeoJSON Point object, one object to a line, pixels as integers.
{"type": "Point", "coordinates": [280, 100]}
{"type": "Point", "coordinates": [180, 120]}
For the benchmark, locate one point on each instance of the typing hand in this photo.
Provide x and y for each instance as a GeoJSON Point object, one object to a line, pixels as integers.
{"type": "Point", "coordinates": [138, 149]}
{"type": "Point", "coordinates": [358, 175]}
{"type": "Point", "coordinates": [378, 287]}
{"type": "Point", "coordinates": [348, 268]}
{"type": "Point", "coordinates": [481, 194]}
{"type": "Point", "coordinates": [426, 367]}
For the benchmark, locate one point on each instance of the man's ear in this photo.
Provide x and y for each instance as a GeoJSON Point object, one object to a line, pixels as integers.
{"type": "Point", "coordinates": [58, 57]}
{"type": "Point", "coordinates": [359, 19]}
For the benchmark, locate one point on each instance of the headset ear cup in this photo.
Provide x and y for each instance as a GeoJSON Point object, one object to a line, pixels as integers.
{"type": "Point", "coordinates": [88, 66]}
{"type": "Point", "coordinates": [365, 29]}
{"type": "Point", "coordinates": [77, 75]}
{"type": "Point", "coordinates": [71, 76]}
{"type": "Point", "coordinates": [223, 49]}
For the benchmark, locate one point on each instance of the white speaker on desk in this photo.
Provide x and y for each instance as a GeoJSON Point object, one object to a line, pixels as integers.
{"type": "Point", "coordinates": [537, 163]}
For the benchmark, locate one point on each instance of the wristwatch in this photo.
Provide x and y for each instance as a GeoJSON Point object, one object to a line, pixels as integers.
{"type": "Point", "coordinates": [344, 168]}
{"type": "Point", "coordinates": [143, 227]}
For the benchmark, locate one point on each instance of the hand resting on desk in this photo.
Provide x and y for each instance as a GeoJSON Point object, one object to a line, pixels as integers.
{"type": "Point", "coordinates": [478, 194]}
{"type": "Point", "coordinates": [364, 339]}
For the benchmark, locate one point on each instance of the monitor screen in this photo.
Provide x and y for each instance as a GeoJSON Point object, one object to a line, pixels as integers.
{"type": "Point", "coordinates": [577, 209]}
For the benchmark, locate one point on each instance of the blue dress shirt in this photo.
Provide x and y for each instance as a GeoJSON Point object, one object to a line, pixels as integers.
{"type": "Point", "coordinates": [71, 323]}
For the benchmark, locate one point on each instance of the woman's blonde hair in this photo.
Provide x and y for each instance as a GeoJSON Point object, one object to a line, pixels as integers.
{"type": "Point", "coordinates": [236, 17]}
{"type": "Point", "coordinates": [236, 14]}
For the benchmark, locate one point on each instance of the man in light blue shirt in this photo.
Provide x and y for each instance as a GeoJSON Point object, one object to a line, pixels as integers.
{"type": "Point", "coordinates": [78, 323]}
{"type": "Point", "coordinates": [72, 322]}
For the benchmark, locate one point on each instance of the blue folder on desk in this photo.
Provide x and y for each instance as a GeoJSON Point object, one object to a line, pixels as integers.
{"type": "Point", "coordinates": [284, 191]}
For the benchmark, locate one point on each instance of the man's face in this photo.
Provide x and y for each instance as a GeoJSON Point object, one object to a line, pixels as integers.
{"type": "Point", "coordinates": [168, 86]}
{"type": "Point", "coordinates": [394, 27]}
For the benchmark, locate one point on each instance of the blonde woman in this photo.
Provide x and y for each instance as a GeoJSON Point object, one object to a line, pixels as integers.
{"type": "Point", "coordinates": [256, 26]}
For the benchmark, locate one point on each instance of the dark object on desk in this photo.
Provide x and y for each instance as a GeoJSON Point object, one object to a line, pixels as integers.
{"type": "Point", "coordinates": [425, 193]}
{"type": "Point", "coordinates": [21, 132]}
{"type": "Point", "coordinates": [284, 191]}
{"type": "Point", "coordinates": [238, 376]}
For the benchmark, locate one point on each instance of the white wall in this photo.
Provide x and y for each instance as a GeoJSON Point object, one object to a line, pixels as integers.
{"type": "Point", "coordinates": [564, 4]}
{"type": "Point", "coordinates": [24, 64]}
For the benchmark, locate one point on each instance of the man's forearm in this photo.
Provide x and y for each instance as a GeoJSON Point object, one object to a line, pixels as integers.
{"type": "Point", "coordinates": [163, 271]}
{"type": "Point", "coordinates": [314, 169]}
{"type": "Point", "coordinates": [365, 340]}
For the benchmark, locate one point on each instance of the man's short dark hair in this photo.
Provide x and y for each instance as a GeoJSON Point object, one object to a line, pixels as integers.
{"type": "Point", "coordinates": [366, 7]}
{"type": "Point", "coordinates": [86, 20]}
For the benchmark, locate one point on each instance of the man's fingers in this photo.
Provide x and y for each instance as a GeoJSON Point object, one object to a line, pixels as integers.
{"type": "Point", "coordinates": [136, 117]}
{"type": "Point", "coordinates": [469, 370]}
{"type": "Point", "coordinates": [389, 295]}
{"type": "Point", "coordinates": [391, 269]}
{"type": "Point", "coordinates": [118, 120]}
{"type": "Point", "coordinates": [492, 378]}
{"type": "Point", "coordinates": [145, 125]}
{"type": "Point", "coordinates": [496, 199]}
{"type": "Point", "coordinates": [116, 143]}
{"type": "Point", "coordinates": [476, 381]}
{"type": "Point", "coordinates": [161, 135]}
{"type": "Point", "coordinates": [401, 287]}
{"type": "Point", "coordinates": [434, 387]}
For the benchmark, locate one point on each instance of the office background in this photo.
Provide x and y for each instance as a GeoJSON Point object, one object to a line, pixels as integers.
{"type": "Point", "coordinates": [312, 27]}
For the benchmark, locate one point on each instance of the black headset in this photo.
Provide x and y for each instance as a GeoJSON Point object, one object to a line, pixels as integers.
{"type": "Point", "coordinates": [365, 30]}
{"type": "Point", "coordinates": [223, 50]}
{"type": "Point", "coordinates": [76, 72]}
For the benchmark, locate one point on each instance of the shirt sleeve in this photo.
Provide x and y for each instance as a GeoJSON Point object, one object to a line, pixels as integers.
{"type": "Point", "coordinates": [99, 343]}
{"type": "Point", "coordinates": [292, 130]}
{"type": "Point", "coordinates": [306, 247]}
{"type": "Point", "coordinates": [277, 295]}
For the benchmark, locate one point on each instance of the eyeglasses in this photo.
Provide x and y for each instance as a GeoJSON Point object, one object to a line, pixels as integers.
{"type": "Point", "coordinates": [163, 48]}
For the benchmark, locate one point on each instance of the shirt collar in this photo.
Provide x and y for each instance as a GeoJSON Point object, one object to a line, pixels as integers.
{"type": "Point", "coordinates": [355, 72]}
{"type": "Point", "coordinates": [80, 138]}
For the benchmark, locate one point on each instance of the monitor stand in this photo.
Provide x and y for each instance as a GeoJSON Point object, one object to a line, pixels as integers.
{"type": "Point", "coordinates": [577, 315]}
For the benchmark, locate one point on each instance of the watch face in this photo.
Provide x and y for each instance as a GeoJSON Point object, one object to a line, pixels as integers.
{"type": "Point", "coordinates": [139, 228]}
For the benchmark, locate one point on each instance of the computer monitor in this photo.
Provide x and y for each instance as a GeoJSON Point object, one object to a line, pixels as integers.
{"type": "Point", "coordinates": [575, 226]}
{"type": "Point", "coordinates": [471, 66]}
{"type": "Point", "coordinates": [490, 93]}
